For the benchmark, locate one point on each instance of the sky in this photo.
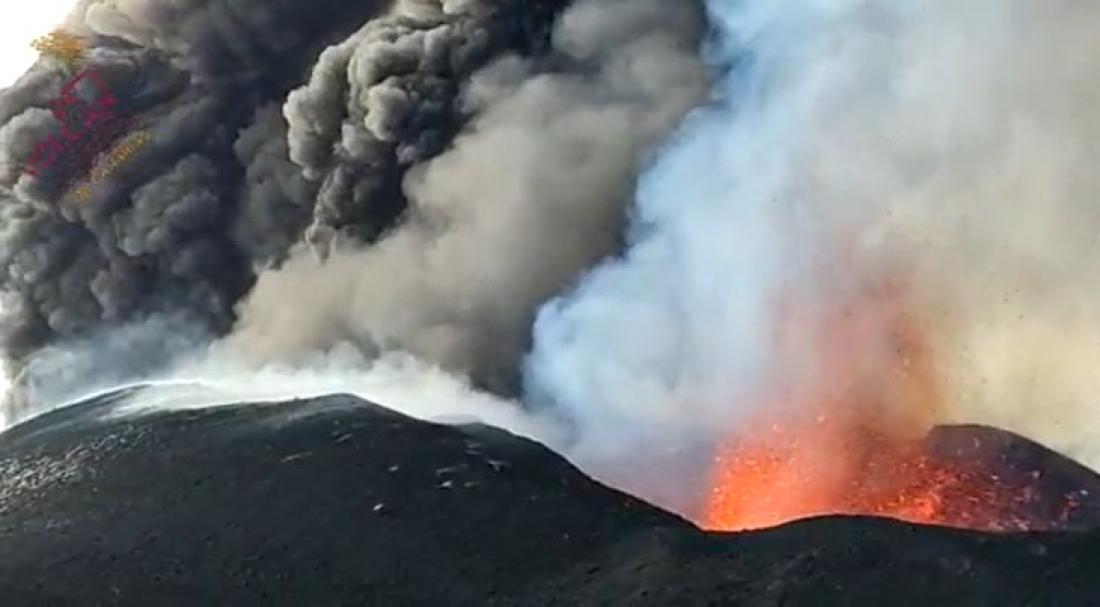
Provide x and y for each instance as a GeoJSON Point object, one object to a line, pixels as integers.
{"type": "Point", "coordinates": [21, 26]}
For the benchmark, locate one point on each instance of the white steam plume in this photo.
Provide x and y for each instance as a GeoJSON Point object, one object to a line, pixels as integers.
{"type": "Point", "coordinates": [395, 380]}
{"type": "Point", "coordinates": [951, 144]}
{"type": "Point", "coordinates": [167, 357]}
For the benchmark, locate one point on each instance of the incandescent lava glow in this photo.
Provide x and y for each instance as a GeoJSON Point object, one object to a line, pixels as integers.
{"type": "Point", "coordinates": [853, 436]}
{"type": "Point", "coordinates": [843, 468]}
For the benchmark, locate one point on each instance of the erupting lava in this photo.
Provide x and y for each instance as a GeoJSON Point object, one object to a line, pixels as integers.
{"type": "Point", "coordinates": [854, 439]}
{"type": "Point", "coordinates": [843, 468]}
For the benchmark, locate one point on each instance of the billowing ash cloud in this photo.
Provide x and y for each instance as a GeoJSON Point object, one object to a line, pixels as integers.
{"type": "Point", "coordinates": [385, 99]}
{"type": "Point", "coordinates": [531, 192]}
{"type": "Point", "coordinates": [269, 119]}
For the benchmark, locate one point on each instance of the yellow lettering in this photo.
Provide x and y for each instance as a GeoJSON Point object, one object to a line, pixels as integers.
{"type": "Point", "coordinates": [61, 44]}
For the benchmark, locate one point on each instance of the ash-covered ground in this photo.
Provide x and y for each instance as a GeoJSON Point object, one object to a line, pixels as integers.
{"type": "Point", "coordinates": [335, 501]}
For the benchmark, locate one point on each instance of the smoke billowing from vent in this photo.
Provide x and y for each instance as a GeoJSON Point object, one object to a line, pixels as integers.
{"type": "Point", "coordinates": [944, 148]}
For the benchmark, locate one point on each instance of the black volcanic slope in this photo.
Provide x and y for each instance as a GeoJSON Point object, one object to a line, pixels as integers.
{"type": "Point", "coordinates": [333, 501]}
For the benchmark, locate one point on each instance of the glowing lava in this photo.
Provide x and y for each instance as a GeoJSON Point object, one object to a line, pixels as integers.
{"type": "Point", "coordinates": [853, 437]}
{"type": "Point", "coordinates": [838, 468]}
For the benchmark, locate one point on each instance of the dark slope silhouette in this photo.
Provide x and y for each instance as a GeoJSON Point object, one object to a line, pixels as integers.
{"type": "Point", "coordinates": [334, 501]}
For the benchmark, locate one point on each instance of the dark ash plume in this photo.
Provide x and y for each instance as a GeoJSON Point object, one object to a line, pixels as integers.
{"type": "Point", "coordinates": [227, 185]}
{"type": "Point", "coordinates": [529, 194]}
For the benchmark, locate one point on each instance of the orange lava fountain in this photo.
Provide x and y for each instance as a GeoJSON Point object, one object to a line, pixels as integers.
{"type": "Point", "coordinates": [851, 438]}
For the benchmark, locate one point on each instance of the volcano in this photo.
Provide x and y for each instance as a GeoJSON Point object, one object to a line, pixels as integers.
{"type": "Point", "coordinates": [858, 437]}
{"type": "Point", "coordinates": [972, 477]}
{"type": "Point", "coordinates": [336, 501]}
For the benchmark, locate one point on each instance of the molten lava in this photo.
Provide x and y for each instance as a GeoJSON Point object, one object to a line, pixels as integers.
{"type": "Point", "coordinates": [837, 468]}
{"type": "Point", "coordinates": [853, 438]}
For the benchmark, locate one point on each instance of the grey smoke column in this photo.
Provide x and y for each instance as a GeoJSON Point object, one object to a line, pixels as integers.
{"type": "Point", "coordinates": [385, 99]}
{"type": "Point", "coordinates": [530, 193]}
{"type": "Point", "coordinates": [227, 186]}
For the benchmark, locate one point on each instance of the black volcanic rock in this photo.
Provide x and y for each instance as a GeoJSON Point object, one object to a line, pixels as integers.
{"type": "Point", "coordinates": [333, 501]}
{"type": "Point", "coordinates": [1037, 487]}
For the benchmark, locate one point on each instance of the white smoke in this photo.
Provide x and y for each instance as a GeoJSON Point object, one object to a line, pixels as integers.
{"type": "Point", "coordinates": [396, 380]}
{"type": "Point", "coordinates": [952, 144]}
{"type": "Point", "coordinates": [183, 374]}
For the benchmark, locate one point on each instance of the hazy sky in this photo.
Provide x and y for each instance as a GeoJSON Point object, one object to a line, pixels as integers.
{"type": "Point", "coordinates": [19, 26]}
